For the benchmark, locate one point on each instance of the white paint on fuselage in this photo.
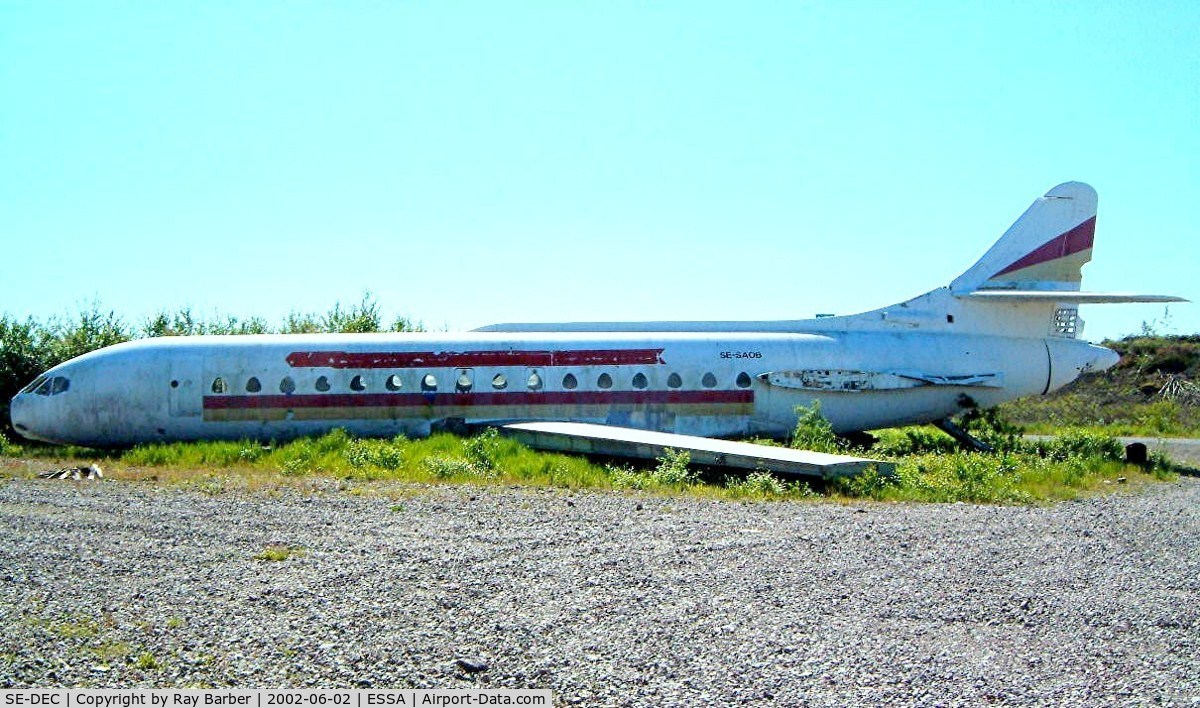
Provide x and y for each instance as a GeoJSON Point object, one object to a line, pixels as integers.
{"type": "Point", "coordinates": [154, 390]}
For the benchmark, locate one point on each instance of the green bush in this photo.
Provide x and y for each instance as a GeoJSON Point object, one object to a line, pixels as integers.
{"type": "Point", "coordinates": [483, 449]}
{"type": "Point", "coordinates": [673, 468]}
{"type": "Point", "coordinates": [869, 483]}
{"type": "Point", "coordinates": [814, 432]}
{"type": "Point", "coordinates": [757, 484]}
{"type": "Point", "coordinates": [8, 449]}
{"type": "Point", "coordinates": [991, 427]}
{"type": "Point", "coordinates": [913, 440]}
{"type": "Point", "coordinates": [626, 477]}
{"type": "Point", "coordinates": [451, 467]}
{"type": "Point", "coordinates": [963, 476]}
{"type": "Point", "coordinates": [1080, 445]}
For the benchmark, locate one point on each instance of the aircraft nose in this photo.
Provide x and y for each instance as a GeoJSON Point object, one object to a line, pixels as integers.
{"type": "Point", "coordinates": [19, 413]}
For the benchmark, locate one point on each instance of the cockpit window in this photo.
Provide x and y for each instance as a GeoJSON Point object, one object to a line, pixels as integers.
{"type": "Point", "coordinates": [33, 385]}
{"type": "Point", "coordinates": [48, 386]}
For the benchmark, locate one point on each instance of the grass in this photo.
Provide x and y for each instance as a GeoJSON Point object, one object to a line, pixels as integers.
{"type": "Point", "coordinates": [929, 467]}
{"type": "Point", "coordinates": [278, 552]}
{"type": "Point", "coordinates": [95, 638]}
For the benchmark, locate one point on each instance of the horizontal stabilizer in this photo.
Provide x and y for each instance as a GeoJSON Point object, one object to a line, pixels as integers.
{"type": "Point", "coordinates": [1066, 296]}
{"type": "Point", "coordinates": [593, 439]}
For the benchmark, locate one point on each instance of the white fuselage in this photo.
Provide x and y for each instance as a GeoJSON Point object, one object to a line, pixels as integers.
{"type": "Point", "coordinates": [275, 387]}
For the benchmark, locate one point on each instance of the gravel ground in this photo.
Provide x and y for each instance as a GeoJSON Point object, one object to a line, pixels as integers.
{"type": "Point", "coordinates": [606, 599]}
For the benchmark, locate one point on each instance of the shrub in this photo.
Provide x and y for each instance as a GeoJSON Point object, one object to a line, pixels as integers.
{"type": "Point", "coordinates": [988, 425]}
{"type": "Point", "coordinates": [626, 477]}
{"type": "Point", "coordinates": [757, 484]}
{"type": "Point", "coordinates": [968, 477]}
{"type": "Point", "coordinates": [868, 483]}
{"type": "Point", "coordinates": [673, 468]}
{"type": "Point", "coordinates": [913, 441]}
{"type": "Point", "coordinates": [8, 449]}
{"type": "Point", "coordinates": [448, 467]}
{"type": "Point", "coordinates": [1080, 445]}
{"type": "Point", "coordinates": [483, 449]}
{"type": "Point", "coordinates": [814, 432]}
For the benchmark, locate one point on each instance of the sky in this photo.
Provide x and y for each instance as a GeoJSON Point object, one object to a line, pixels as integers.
{"type": "Point", "coordinates": [470, 163]}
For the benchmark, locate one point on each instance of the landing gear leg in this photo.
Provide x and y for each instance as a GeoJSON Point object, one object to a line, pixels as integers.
{"type": "Point", "coordinates": [964, 438]}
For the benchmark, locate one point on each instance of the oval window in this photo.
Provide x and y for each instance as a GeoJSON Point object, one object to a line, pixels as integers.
{"type": "Point", "coordinates": [218, 385]}
{"type": "Point", "coordinates": [322, 383]}
{"type": "Point", "coordinates": [570, 382]}
{"type": "Point", "coordinates": [743, 380]}
{"type": "Point", "coordinates": [429, 383]}
{"type": "Point", "coordinates": [499, 382]}
{"type": "Point", "coordinates": [357, 384]}
{"type": "Point", "coordinates": [674, 381]}
{"type": "Point", "coordinates": [605, 381]}
{"type": "Point", "coordinates": [287, 385]}
{"type": "Point", "coordinates": [463, 384]}
{"type": "Point", "coordinates": [534, 382]}
{"type": "Point", "coordinates": [253, 386]}
{"type": "Point", "coordinates": [393, 383]}
{"type": "Point", "coordinates": [639, 381]}
{"type": "Point", "coordinates": [709, 380]}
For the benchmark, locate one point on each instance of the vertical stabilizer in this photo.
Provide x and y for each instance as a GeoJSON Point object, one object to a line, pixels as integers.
{"type": "Point", "coordinates": [1044, 250]}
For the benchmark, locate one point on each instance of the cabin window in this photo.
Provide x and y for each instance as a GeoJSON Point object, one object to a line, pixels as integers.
{"type": "Point", "coordinates": [499, 382]}
{"type": "Point", "coordinates": [393, 383]}
{"type": "Point", "coordinates": [605, 381]}
{"type": "Point", "coordinates": [322, 384]}
{"type": "Point", "coordinates": [464, 382]}
{"type": "Point", "coordinates": [674, 381]}
{"type": "Point", "coordinates": [357, 384]}
{"type": "Point", "coordinates": [253, 385]}
{"type": "Point", "coordinates": [534, 382]}
{"type": "Point", "coordinates": [287, 385]}
{"type": "Point", "coordinates": [429, 383]}
{"type": "Point", "coordinates": [743, 380]}
{"type": "Point", "coordinates": [709, 380]}
{"type": "Point", "coordinates": [218, 385]}
{"type": "Point", "coordinates": [639, 380]}
{"type": "Point", "coordinates": [570, 382]}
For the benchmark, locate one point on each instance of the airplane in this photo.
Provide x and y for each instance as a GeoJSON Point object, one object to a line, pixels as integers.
{"type": "Point", "coordinates": [1007, 327]}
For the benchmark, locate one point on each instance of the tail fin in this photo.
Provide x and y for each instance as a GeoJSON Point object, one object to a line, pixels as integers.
{"type": "Point", "coordinates": [1044, 250]}
{"type": "Point", "coordinates": [1041, 256]}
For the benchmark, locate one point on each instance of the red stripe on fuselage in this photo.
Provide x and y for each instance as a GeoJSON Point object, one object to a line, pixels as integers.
{"type": "Point", "coordinates": [1077, 239]}
{"type": "Point", "coordinates": [412, 360]}
{"type": "Point", "coordinates": [531, 398]}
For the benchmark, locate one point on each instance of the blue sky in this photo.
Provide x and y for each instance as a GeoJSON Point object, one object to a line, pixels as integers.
{"type": "Point", "coordinates": [474, 163]}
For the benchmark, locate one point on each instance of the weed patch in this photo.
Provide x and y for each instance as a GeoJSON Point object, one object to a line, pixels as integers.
{"type": "Point", "coordinates": [929, 465]}
{"type": "Point", "coordinates": [276, 553]}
